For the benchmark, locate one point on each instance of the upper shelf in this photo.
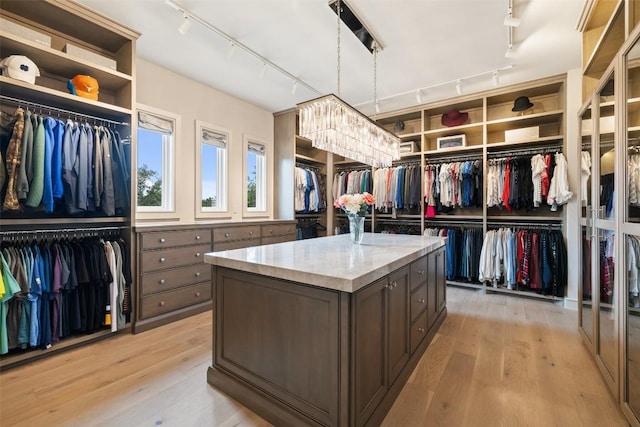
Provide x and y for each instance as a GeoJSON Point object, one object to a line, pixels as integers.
{"type": "Point", "coordinates": [61, 63]}
{"type": "Point", "coordinates": [526, 120]}
{"type": "Point", "coordinates": [41, 94]}
{"type": "Point", "coordinates": [603, 37]}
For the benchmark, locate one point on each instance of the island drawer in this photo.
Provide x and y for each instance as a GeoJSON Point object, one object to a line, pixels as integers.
{"type": "Point", "coordinates": [171, 258]}
{"type": "Point", "coordinates": [167, 239]}
{"type": "Point", "coordinates": [278, 230]}
{"type": "Point", "coordinates": [165, 280]}
{"type": "Point", "coordinates": [237, 244]}
{"type": "Point", "coordinates": [418, 301]}
{"type": "Point", "coordinates": [418, 331]}
{"type": "Point", "coordinates": [418, 272]}
{"type": "Point", "coordinates": [227, 234]}
{"type": "Point", "coordinates": [165, 302]}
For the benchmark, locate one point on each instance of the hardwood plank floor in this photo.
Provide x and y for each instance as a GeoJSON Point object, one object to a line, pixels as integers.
{"type": "Point", "coordinates": [496, 361]}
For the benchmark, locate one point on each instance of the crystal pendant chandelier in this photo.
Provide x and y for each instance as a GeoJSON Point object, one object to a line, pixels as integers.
{"type": "Point", "coordinates": [333, 125]}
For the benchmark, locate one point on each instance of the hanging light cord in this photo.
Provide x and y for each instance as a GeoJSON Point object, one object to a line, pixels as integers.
{"type": "Point", "coordinates": [338, 5]}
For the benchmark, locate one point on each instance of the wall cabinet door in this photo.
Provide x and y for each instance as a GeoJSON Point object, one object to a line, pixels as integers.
{"type": "Point", "coordinates": [370, 307]}
{"type": "Point", "coordinates": [398, 315]}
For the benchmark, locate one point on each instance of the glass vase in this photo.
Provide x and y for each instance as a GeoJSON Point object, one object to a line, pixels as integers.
{"type": "Point", "coordinates": [356, 228]}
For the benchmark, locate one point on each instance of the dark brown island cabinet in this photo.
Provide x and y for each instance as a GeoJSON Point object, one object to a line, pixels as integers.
{"type": "Point", "coordinates": [324, 332]}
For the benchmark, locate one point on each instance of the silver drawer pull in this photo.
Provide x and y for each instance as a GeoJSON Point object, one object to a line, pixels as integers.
{"type": "Point", "coordinates": [421, 301]}
{"type": "Point", "coordinates": [271, 231]}
{"type": "Point", "coordinates": [394, 284]}
{"type": "Point", "coordinates": [197, 294]}
{"type": "Point", "coordinates": [163, 259]}
{"type": "Point", "coordinates": [198, 274]}
{"type": "Point", "coordinates": [197, 237]}
{"type": "Point", "coordinates": [197, 254]}
{"type": "Point", "coordinates": [161, 304]}
{"type": "Point", "coordinates": [226, 234]}
{"type": "Point", "coordinates": [162, 240]}
{"type": "Point", "coordinates": [420, 272]}
{"type": "Point", "coordinates": [251, 233]}
{"type": "Point", "coordinates": [421, 330]}
{"type": "Point", "coordinates": [162, 281]}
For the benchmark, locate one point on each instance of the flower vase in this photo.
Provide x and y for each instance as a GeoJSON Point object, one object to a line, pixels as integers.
{"type": "Point", "coordinates": [356, 228]}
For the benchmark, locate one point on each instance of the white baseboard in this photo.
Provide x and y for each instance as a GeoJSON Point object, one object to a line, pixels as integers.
{"type": "Point", "coordinates": [571, 304]}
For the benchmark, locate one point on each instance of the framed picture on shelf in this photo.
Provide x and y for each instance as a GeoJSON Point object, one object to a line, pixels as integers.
{"type": "Point", "coordinates": [453, 141]}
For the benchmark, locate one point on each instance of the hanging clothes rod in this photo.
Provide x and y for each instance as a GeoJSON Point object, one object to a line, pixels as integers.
{"type": "Point", "coordinates": [21, 102]}
{"type": "Point", "coordinates": [352, 168]}
{"type": "Point", "coordinates": [406, 163]}
{"type": "Point", "coordinates": [63, 230]}
{"type": "Point", "coordinates": [453, 158]}
{"type": "Point", "coordinates": [527, 152]}
{"type": "Point", "coordinates": [528, 225]}
{"type": "Point", "coordinates": [457, 223]}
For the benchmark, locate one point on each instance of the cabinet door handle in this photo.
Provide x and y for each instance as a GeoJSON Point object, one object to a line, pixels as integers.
{"type": "Point", "coordinates": [197, 237]}
{"type": "Point", "coordinates": [161, 304]}
{"type": "Point", "coordinates": [421, 301]}
{"type": "Point", "coordinates": [394, 284]}
{"type": "Point", "coordinates": [421, 330]}
{"type": "Point", "coordinates": [197, 274]}
{"type": "Point", "coordinates": [197, 254]}
{"type": "Point", "coordinates": [162, 281]}
{"type": "Point", "coordinates": [197, 294]}
{"type": "Point", "coordinates": [163, 259]}
{"type": "Point", "coordinates": [162, 240]}
{"type": "Point", "coordinates": [420, 272]}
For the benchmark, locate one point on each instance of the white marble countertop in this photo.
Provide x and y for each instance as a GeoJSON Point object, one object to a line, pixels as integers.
{"type": "Point", "coordinates": [330, 262]}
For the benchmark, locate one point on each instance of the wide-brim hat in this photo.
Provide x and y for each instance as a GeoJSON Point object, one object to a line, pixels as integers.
{"type": "Point", "coordinates": [521, 103]}
{"type": "Point", "coordinates": [454, 118]}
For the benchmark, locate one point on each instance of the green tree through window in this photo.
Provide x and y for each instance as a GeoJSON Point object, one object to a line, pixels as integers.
{"type": "Point", "coordinates": [149, 187]}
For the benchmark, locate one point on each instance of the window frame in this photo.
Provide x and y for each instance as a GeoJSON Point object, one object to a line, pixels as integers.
{"type": "Point", "coordinates": [223, 164]}
{"type": "Point", "coordinates": [262, 203]}
{"type": "Point", "coordinates": [169, 143]}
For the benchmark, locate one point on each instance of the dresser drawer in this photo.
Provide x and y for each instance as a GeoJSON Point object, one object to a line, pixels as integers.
{"type": "Point", "coordinates": [171, 258]}
{"type": "Point", "coordinates": [418, 331]}
{"type": "Point", "coordinates": [418, 301]}
{"type": "Point", "coordinates": [278, 230]}
{"type": "Point", "coordinates": [165, 302]}
{"type": "Point", "coordinates": [227, 234]}
{"type": "Point", "coordinates": [278, 239]}
{"type": "Point", "coordinates": [238, 244]}
{"type": "Point", "coordinates": [418, 272]}
{"type": "Point", "coordinates": [167, 239]}
{"type": "Point", "coordinates": [165, 280]}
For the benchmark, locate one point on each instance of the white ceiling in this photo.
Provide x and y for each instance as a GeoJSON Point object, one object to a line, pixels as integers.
{"type": "Point", "coordinates": [426, 42]}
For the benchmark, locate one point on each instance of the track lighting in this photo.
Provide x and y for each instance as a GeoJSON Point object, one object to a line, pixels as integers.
{"type": "Point", "coordinates": [495, 78]}
{"type": "Point", "coordinates": [459, 87]}
{"type": "Point", "coordinates": [294, 88]}
{"type": "Point", "coordinates": [377, 108]}
{"type": "Point", "coordinates": [419, 97]}
{"type": "Point", "coordinates": [232, 50]}
{"type": "Point", "coordinates": [509, 20]}
{"type": "Point", "coordinates": [264, 70]}
{"type": "Point", "coordinates": [185, 25]}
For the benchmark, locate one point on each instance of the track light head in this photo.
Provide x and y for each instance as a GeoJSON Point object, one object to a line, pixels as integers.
{"type": "Point", "coordinates": [294, 88]}
{"type": "Point", "coordinates": [185, 25]}
{"type": "Point", "coordinates": [495, 78]}
{"type": "Point", "coordinates": [459, 87]}
{"type": "Point", "coordinates": [377, 108]}
{"type": "Point", "coordinates": [419, 97]}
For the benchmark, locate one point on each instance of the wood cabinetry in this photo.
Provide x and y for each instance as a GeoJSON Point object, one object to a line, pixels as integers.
{"type": "Point", "coordinates": [382, 348]}
{"type": "Point", "coordinates": [41, 30]}
{"type": "Point", "coordinates": [307, 355]}
{"type": "Point", "coordinates": [174, 281]}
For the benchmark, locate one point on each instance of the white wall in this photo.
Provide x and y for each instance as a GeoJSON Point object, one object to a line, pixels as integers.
{"type": "Point", "coordinates": [161, 88]}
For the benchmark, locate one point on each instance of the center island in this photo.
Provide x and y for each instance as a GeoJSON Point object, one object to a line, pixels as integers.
{"type": "Point", "coordinates": [324, 332]}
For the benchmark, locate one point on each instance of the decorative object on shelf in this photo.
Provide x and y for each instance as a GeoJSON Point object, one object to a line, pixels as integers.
{"type": "Point", "coordinates": [452, 141]}
{"type": "Point", "coordinates": [84, 86]}
{"type": "Point", "coordinates": [24, 32]}
{"type": "Point", "coordinates": [90, 56]}
{"type": "Point", "coordinates": [521, 103]}
{"type": "Point", "coordinates": [333, 125]}
{"type": "Point", "coordinates": [522, 134]}
{"type": "Point", "coordinates": [409, 147]}
{"type": "Point", "coordinates": [398, 126]}
{"type": "Point", "coordinates": [454, 118]}
{"type": "Point", "coordinates": [355, 206]}
{"type": "Point", "coordinates": [19, 67]}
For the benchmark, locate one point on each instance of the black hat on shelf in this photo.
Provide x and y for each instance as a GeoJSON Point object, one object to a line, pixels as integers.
{"type": "Point", "coordinates": [398, 126]}
{"type": "Point", "coordinates": [521, 103]}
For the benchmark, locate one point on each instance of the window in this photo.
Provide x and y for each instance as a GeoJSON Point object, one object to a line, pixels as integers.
{"type": "Point", "coordinates": [256, 169]}
{"type": "Point", "coordinates": [212, 168]}
{"type": "Point", "coordinates": [156, 140]}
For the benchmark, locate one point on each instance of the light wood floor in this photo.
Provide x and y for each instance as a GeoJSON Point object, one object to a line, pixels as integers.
{"type": "Point", "coordinates": [496, 361]}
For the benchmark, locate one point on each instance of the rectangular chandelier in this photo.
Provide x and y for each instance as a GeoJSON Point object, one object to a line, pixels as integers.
{"type": "Point", "coordinates": [333, 125]}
